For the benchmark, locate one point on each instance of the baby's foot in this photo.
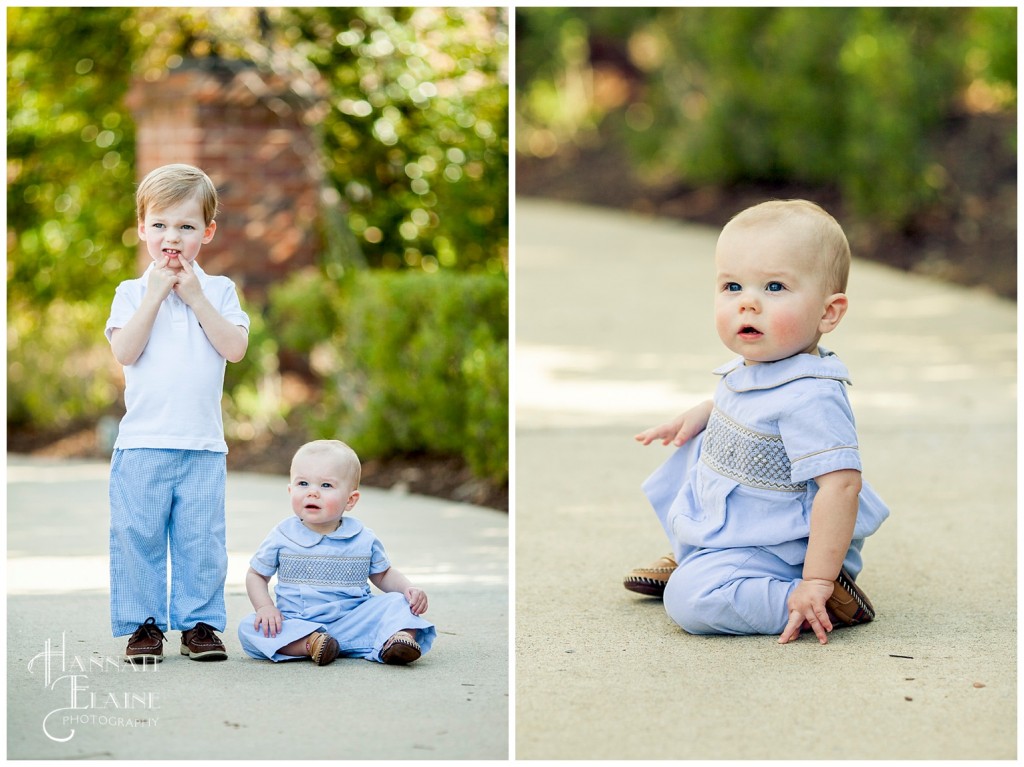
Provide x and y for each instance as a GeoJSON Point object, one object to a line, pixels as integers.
{"type": "Point", "coordinates": [400, 649]}
{"type": "Point", "coordinates": [322, 648]}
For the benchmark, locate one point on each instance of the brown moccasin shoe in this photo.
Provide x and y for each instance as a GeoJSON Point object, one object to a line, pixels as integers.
{"type": "Point", "coordinates": [322, 648]}
{"type": "Point", "coordinates": [848, 603]}
{"type": "Point", "coordinates": [400, 649]}
{"type": "Point", "coordinates": [146, 645]}
{"type": "Point", "coordinates": [201, 643]}
{"type": "Point", "coordinates": [651, 580]}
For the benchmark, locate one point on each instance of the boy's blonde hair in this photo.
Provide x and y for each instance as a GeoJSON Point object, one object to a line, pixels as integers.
{"type": "Point", "coordinates": [347, 458]}
{"type": "Point", "coordinates": [826, 235]}
{"type": "Point", "coordinates": [172, 184]}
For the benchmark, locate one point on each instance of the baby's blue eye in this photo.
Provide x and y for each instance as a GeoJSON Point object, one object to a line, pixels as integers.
{"type": "Point", "coordinates": [733, 287]}
{"type": "Point", "coordinates": [326, 484]}
{"type": "Point", "coordinates": [775, 287]}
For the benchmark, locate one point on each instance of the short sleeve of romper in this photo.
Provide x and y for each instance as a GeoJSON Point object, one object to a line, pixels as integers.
{"type": "Point", "coordinates": [265, 561]}
{"type": "Point", "coordinates": [818, 430]}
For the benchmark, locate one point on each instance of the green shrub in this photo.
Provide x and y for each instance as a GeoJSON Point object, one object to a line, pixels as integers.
{"type": "Point", "coordinates": [253, 404]}
{"type": "Point", "coordinates": [416, 363]}
{"type": "Point", "coordinates": [847, 96]}
{"type": "Point", "coordinates": [60, 369]}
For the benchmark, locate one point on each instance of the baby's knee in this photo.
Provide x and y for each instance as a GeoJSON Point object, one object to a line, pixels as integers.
{"type": "Point", "coordinates": [687, 603]}
{"type": "Point", "coordinates": [710, 600]}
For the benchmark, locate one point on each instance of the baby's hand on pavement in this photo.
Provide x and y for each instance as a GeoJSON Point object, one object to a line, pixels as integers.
{"type": "Point", "coordinates": [417, 600]}
{"type": "Point", "coordinates": [807, 607]}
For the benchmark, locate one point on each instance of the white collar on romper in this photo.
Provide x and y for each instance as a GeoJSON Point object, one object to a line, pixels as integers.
{"type": "Point", "coordinates": [296, 532]}
{"type": "Point", "coordinates": [768, 375]}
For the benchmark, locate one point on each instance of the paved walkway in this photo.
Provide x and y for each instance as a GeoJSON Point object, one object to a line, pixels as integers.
{"type": "Point", "coordinates": [453, 704]}
{"type": "Point", "coordinates": [614, 333]}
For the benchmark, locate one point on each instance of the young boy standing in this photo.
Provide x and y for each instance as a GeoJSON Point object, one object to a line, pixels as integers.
{"type": "Point", "coordinates": [173, 329]}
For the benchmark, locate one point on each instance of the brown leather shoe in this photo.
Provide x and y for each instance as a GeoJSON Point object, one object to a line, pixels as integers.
{"type": "Point", "coordinates": [651, 580]}
{"type": "Point", "coordinates": [200, 643]}
{"type": "Point", "coordinates": [400, 649]}
{"type": "Point", "coordinates": [146, 645]}
{"type": "Point", "coordinates": [322, 648]}
{"type": "Point", "coordinates": [848, 603]}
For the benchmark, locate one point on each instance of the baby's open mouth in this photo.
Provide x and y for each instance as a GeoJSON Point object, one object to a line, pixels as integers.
{"type": "Point", "coordinates": [748, 330]}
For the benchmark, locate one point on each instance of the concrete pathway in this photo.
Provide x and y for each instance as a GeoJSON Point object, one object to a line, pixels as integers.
{"type": "Point", "coordinates": [69, 698]}
{"type": "Point", "coordinates": [614, 333]}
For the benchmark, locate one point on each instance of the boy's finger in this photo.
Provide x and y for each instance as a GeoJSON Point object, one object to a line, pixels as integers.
{"type": "Point", "coordinates": [792, 629]}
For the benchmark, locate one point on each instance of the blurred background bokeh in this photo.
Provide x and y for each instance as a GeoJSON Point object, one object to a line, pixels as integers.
{"type": "Point", "coordinates": [900, 121]}
{"type": "Point", "coordinates": [393, 335]}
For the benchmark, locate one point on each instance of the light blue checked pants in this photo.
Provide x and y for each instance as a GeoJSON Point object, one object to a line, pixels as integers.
{"type": "Point", "coordinates": [160, 501]}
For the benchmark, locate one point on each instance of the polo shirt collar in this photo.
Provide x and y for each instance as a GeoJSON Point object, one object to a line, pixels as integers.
{"type": "Point", "coordinates": [296, 532]}
{"type": "Point", "coordinates": [768, 375]}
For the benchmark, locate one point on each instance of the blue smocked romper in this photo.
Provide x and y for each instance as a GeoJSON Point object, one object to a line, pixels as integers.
{"type": "Point", "coordinates": [322, 584]}
{"type": "Point", "coordinates": [736, 500]}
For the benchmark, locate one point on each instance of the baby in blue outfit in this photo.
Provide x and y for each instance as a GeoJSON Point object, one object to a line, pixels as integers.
{"type": "Point", "coordinates": [763, 502]}
{"type": "Point", "coordinates": [324, 563]}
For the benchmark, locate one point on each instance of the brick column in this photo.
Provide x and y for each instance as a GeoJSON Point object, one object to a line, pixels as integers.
{"type": "Point", "coordinates": [252, 134]}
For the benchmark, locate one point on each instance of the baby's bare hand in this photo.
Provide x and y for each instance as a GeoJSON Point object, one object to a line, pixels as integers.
{"type": "Point", "coordinates": [673, 431]}
{"type": "Point", "coordinates": [270, 619]}
{"type": "Point", "coordinates": [807, 609]}
{"type": "Point", "coordinates": [417, 599]}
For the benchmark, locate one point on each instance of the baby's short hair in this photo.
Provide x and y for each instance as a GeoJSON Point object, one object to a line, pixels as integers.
{"type": "Point", "coordinates": [347, 458]}
{"type": "Point", "coordinates": [827, 236]}
{"type": "Point", "coordinates": [171, 184]}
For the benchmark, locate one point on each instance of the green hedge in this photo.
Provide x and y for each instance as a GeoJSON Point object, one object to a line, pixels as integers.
{"type": "Point", "coordinates": [410, 362]}
{"type": "Point", "coordinates": [850, 98]}
{"type": "Point", "coordinates": [815, 95]}
{"type": "Point", "coordinates": [60, 369]}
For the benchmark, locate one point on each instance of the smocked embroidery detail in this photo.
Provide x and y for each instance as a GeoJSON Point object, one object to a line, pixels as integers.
{"type": "Point", "coordinates": [323, 571]}
{"type": "Point", "coordinates": [749, 457]}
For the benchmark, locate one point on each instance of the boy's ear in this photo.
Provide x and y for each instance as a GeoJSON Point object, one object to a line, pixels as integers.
{"type": "Point", "coordinates": [353, 498]}
{"type": "Point", "coordinates": [835, 308]}
{"type": "Point", "coordinates": [142, 230]}
{"type": "Point", "coordinates": [209, 231]}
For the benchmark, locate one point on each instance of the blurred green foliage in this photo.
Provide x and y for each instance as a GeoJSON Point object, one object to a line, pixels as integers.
{"type": "Point", "coordinates": [848, 97]}
{"type": "Point", "coordinates": [70, 155]}
{"type": "Point", "coordinates": [415, 143]}
{"type": "Point", "coordinates": [415, 139]}
{"type": "Point", "coordinates": [64, 375]}
{"type": "Point", "coordinates": [410, 362]}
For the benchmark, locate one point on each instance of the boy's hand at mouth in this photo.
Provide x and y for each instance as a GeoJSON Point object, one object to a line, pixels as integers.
{"type": "Point", "coordinates": [187, 287]}
{"type": "Point", "coordinates": [161, 280]}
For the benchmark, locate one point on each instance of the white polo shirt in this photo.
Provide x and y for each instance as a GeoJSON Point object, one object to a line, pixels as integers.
{"type": "Point", "coordinates": [173, 390]}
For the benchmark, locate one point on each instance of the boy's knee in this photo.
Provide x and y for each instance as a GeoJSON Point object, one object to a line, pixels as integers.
{"type": "Point", "coordinates": [709, 600]}
{"type": "Point", "coordinates": [686, 602]}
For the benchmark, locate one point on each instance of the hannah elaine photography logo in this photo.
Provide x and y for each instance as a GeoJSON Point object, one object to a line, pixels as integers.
{"type": "Point", "coordinates": [67, 677]}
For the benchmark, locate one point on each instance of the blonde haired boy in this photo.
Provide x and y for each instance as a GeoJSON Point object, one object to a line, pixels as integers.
{"type": "Point", "coordinates": [173, 329]}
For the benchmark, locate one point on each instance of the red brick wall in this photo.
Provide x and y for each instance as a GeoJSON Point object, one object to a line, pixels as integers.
{"type": "Point", "coordinates": [251, 135]}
